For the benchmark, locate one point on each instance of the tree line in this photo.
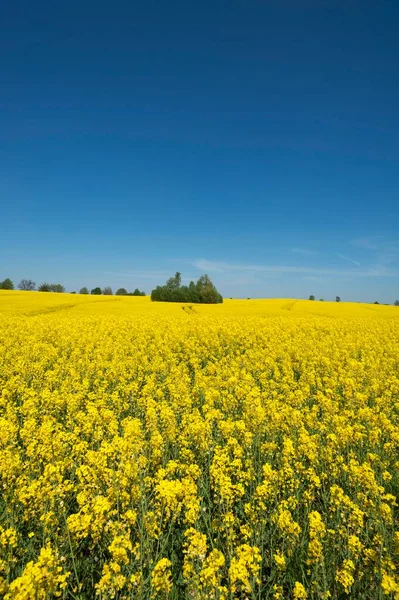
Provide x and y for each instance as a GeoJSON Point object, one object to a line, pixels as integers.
{"type": "Point", "coordinates": [202, 292]}
{"type": "Point", "coordinates": [338, 299]}
{"type": "Point", "coordinates": [27, 285]}
{"type": "Point", "coordinates": [107, 291]}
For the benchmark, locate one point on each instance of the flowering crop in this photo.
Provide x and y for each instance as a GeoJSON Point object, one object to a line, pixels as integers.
{"type": "Point", "coordinates": [244, 450]}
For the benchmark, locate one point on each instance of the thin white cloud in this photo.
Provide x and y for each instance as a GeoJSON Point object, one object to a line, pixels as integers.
{"type": "Point", "coordinates": [222, 268]}
{"type": "Point", "coordinates": [354, 262]}
{"type": "Point", "coordinates": [304, 251]}
{"type": "Point", "coordinates": [140, 274]}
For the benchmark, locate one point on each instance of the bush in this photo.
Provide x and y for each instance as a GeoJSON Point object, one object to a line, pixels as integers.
{"type": "Point", "coordinates": [7, 284]}
{"type": "Point", "coordinates": [311, 297]}
{"type": "Point", "coordinates": [84, 290]}
{"type": "Point", "coordinates": [202, 292]}
{"type": "Point", "coordinates": [121, 292]}
{"type": "Point", "coordinates": [57, 288]}
{"type": "Point", "coordinates": [44, 287]}
{"type": "Point", "coordinates": [96, 291]}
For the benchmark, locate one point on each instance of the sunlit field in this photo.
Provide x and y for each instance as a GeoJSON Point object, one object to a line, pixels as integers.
{"type": "Point", "coordinates": [247, 450]}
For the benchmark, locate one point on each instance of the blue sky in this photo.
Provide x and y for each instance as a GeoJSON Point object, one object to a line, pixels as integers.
{"type": "Point", "coordinates": [256, 141]}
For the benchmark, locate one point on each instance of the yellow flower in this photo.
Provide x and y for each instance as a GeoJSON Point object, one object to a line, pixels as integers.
{"type": "Point", "coordinates": [243, 567]}
{"type": "Point", "coordinates": [299, 592]}
{"type": "Point", "coordinates": [161, 578]}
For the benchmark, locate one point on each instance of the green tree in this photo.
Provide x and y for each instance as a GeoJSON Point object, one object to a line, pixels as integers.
{"type": "Point", "coordinates": [96, 291]}
{"type": "Point", "coordinates": [57, 288]}
{"type": "Point", "coordinates": [121, 292]}
{"type": "Point", "coordinates": [202, 292]}
{"type": "Point", "coordinates": [27, 285]}
{"type": "Point", "coordinates": [311, 297]}
{"type": "Point", "coordinates": [44, 287]}
{"type": "Point", "coordinates": [174, 282]}
{"type": "Point", "coordinates": [337, 299]}
{"type": "Point", "coordinates": [84, 290]}
{"type": "Point", "coordinates": [6, 284]}
{"type": "Point", "coordinates": [396, 303]}
{"type": "Point", "coordinates": [207, 292]}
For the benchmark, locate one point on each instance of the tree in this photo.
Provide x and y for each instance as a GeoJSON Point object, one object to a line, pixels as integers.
{"type": "Point", "coordinates": [44, 287]}
{"type": "Point", "coordinates": [311, 297]}
{"type": "Point", "coordinates": [207, 292]}
{"type": "Point", "coordinates": [337, 299]}
{"type": "Point", "coordinates": [376, 302]}
{"type": "Point", "coordinates": [96, 291]}
{"type": "Point", "coordinates": [321, 300]}
{"type": "Point", "coordinates": [202, 292]}
{"type": "Point", "coordinates": [27, 285]}
{"type": "Point", "coordinates": [121, 292]}
{"type": "Point", "coordinates": [57, 288]}
{"type": "Point", "coordinates": [7, 284]}
{"type": "Point", "coordinates": [396, 303]}
{"type": "Point", "coordinates": [138, 293]}
{"type": "Point", "coordinates": [84, 290]}
{"type": "Point", "coordinates": [107, 291]}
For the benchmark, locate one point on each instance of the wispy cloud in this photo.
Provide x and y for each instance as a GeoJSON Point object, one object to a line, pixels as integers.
{"type": "Point", "coordinates": [304, 251]}
{"type": "Point", "coordinates": [139, 274]}
{"type": "Point", "coordinates": [222, 268]}
{"type": "Point", "coordinates": [354, 262]}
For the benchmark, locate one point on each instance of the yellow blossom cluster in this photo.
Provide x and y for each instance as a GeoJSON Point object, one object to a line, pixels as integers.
{"type": "Point", "coordinates": [236, 451]}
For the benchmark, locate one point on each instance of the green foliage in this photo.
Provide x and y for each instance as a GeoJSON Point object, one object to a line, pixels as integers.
{"type": "Point", "coordinates": [337, 299]}
{"type": "Point", "coordinates": [44, 287]}
{"type": "Point", "coordinates": [137, 293]}
{"type": "Point", "coordinates": [96, 291]}
{"type": "Point", "coordinates": [311, 297]}
{"type": "Point", "coordinates": [121, 292]}
{"type": "Point", "coordinates": [396, 303]}
{"type": "Point", "coordinates": [321, 300]}
{"type": "Point", "coordinates": [57, 287]}
{"type": "Point", "coordinates": [51, 287]}
{"type": "Point", "coordinates": [202, 292]}
{"type": "Point", "coordinates": [7, 284]}
{"type": "Point", "coordinates": [84, 290]}
{"type": "Point", "coordinates": [27, 285]}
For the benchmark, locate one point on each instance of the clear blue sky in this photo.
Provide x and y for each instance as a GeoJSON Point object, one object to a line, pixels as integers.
{"type": "Point", "coordinates": [255, 140]}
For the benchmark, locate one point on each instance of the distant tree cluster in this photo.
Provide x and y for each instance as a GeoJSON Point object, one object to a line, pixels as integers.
{"type": "Point", "coordinates": [107, 291]}
{"type": "Point", "coordinates": [51, 287]}
{"type": "Point", "coordinates": [202, 292]}
{"type": "Point", "coordinates": [124, 292]}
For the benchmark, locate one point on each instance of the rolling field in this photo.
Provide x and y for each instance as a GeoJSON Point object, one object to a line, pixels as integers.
{"type": "Point", "coordinates": [248, 450]}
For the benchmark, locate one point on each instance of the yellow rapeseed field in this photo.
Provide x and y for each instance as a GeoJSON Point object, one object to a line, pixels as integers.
{"type": "Point", "coordinates": [248, 450]}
